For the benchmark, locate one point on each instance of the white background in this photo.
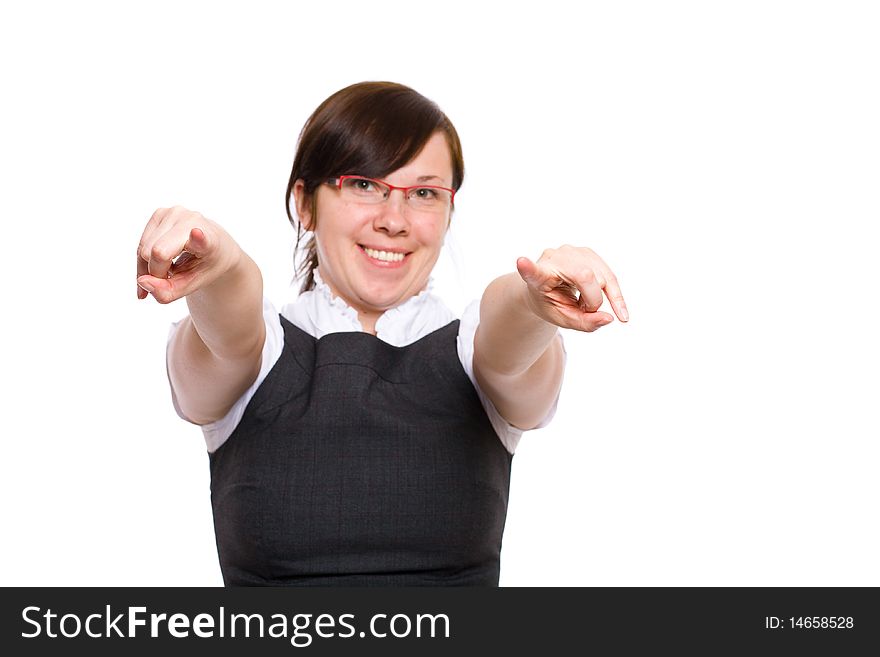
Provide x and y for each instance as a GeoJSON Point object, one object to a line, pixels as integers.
{"type": "Point", "coordinates": [721, 157]}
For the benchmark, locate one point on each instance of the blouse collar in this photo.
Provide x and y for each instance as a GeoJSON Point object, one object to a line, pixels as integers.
{"type": "Point", "coordinates": [397, 326]}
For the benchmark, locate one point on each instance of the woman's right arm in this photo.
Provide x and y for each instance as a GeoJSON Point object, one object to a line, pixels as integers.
{"type": "Point", "coordinates": [215, 353]}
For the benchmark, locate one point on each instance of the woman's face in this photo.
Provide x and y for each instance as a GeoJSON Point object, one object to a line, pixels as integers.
{"type": "Point", "coordinates": [344, 228]}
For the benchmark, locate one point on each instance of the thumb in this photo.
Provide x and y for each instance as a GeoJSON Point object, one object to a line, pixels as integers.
{"type": "Point", "coordinates": [528, 270]}
{"type": "Point", "coordinates": [540, 279]}
{"type": "Point", "coordinates": [197, 244]}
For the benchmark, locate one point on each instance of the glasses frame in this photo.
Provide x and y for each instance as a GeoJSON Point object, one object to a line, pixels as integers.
{"type": "Point", "coordinates": [338, 180]}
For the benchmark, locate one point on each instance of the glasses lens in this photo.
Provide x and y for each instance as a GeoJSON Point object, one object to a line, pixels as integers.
{"type": "Point", "coordinates": [429, 198]}
{"type": "Point", "coordinates": [364, 190]}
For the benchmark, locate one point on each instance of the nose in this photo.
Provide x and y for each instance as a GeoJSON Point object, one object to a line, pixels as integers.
{"type": "Point", "coordinates": [392, 216]}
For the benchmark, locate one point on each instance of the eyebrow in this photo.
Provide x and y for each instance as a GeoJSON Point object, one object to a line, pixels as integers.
{"type": "Point", "coordinates": [424, 178]}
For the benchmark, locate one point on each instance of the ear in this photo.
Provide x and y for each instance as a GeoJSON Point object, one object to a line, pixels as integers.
{"type": "Point", "coordinates": [303, 204]}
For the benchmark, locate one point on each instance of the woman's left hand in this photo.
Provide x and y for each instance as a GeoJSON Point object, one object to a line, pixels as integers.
{"type": "Point", "coordinates": [554, 281]}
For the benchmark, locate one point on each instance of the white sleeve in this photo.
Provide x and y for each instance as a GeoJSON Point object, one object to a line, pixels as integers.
{"type": "Point", "coordinates": [467, 329]}
{"type": "Point", "coordinates": [217, 432]}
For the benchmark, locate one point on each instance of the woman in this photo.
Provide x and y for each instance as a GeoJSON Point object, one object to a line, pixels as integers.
{"type": "Point", "coordinates": [364, 435]}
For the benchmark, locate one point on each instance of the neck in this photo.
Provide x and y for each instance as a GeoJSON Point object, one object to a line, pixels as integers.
{"type": "Point", "coordinates": [368, 322]}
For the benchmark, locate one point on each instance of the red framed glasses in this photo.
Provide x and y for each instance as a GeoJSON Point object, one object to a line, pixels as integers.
{"type": "Point", "coordinates": [371, 191]}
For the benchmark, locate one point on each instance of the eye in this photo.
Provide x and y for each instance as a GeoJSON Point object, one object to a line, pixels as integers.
{"type": "Point", "coordinates": [363, 187]}
{"type": "Point", "coordinates": [426, 193]}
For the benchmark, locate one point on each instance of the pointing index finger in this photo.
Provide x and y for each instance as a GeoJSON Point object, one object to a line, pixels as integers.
{"type": "Point", "coordinates": [615, 296]}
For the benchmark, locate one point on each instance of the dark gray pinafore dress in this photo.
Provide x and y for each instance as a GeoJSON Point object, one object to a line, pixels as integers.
{"type": "Point", "coordinates": [358, 463]}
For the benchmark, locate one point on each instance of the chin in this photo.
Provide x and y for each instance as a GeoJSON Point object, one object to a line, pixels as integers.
{"type": "Point", "coordinates": [384, 298]}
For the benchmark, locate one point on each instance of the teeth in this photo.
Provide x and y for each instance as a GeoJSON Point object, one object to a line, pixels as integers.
{"type": "Point", "coordinates": [384, 255]}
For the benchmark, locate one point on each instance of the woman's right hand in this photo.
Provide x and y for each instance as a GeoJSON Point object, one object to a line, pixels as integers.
{"type": "Point", "coordinates": [205, 251]}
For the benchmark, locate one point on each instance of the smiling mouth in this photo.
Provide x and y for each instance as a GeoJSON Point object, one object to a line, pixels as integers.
{"type": "Point", "coordinates": [384, 256]}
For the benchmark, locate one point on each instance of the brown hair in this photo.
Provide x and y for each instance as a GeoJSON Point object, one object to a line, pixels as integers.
{"type": "Point", "coordinates": [370, 129]}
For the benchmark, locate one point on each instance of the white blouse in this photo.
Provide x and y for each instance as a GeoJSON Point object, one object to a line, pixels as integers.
{"type": "Point", "coordinates": [318, 312]}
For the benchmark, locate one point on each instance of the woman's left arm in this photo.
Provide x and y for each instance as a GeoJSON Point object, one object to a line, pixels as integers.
{"type": "Point", "coordinates": [518, 361]}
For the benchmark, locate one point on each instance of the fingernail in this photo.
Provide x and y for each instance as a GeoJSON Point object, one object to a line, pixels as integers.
{"type": "Point", "coordinates": [146, 286]}
{"type": "Point", "coordinates": [624, 315]}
